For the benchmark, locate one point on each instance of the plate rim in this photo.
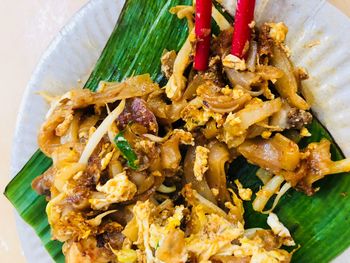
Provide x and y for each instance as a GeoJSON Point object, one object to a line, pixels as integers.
{"type": "Point", "coordinates": [73, 23]}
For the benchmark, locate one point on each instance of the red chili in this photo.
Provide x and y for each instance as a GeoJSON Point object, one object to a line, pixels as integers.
{"type": "Point", "coordinates": [203, 34]}
{"type": "Point", "coordinates": [241, 35]}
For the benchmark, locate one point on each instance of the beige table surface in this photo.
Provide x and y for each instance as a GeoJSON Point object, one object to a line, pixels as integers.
{"type": "Point", "coordinates": [26, 28]}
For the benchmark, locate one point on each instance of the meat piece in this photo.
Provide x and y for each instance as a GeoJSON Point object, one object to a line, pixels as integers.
{"type": "Point", "coordinates": [214, 72]}
{"type": "Point", "coordinates": [302, 186]}
{"type": "Point", "coordinates": [123, 215]}
{"type": "Point", "coordinates": [290, 117]}
{"type": "Point", "coordinates": [42, 183]}
{"type": "Point", "coordinates": [222, 44]}
{"type": "Point", "coordinates": [173, 248]}
{"type": "Point", "coordinates": [266, 42]}
{"type": "Point", "coordinates": [110, 235]}
{"type": "Point", "coordinates": [136, 110]}
{"type": "Point", "coordinates": [298, 118]}
{"type": "Point", "coordinates": [92, 173]}
{"type": "Point", "coordinates": [80, 198]}
{"type": "Point", "coordinates": [270, 241]}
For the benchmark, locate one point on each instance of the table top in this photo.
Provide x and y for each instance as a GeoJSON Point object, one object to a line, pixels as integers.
{"type": "Point", "coordinates": [28, 28]}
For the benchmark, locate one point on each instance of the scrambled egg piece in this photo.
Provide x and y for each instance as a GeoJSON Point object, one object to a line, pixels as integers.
{"type": "Point", "coordinates": [215, 191]}
{"type": "Point", "coordinates": [305, 132]}
{"type": "Point", "coordinates": [106, 159]}
{"type": "Point", "coordinates": [235, 93]}
{"type": "Point", "coordinates": [145, 145]}
{"type": "Point", "coordinates": [278, 32]}
{"type": "Point", "coordinates": [72, 225]}
{"type": "Point", "coordinates": [200, 162]}
{"type": "Point", "coordinates": [280, 230]}
{"type": "Point", "coordinates": [236, 209]}
{"type": "Point", "coordinates": [117, 189]}
{"type": "Point", "coordinates": [268, 257]}
{"type": "Point", "coordinates": [226, 90]}
{"type": "Point", "coordinates": [254, 247]}
{"type": "Point", "coordinates": [142, 212]}
{"type": "Point", "coordinates": [184, 136]}
{"type": "Point", "coordinates": [244, 193]}
{"type": "Point", "coordinates": [63, 127]}
{"type": "Point", "coordinates": [195, 117]}
{"type": "Point", "coordinates": [232, 119]}
{"type": "Point", "coordinates": [212, 232]}
{"type": "Point", "coordinates": [232, 134]}
{"type": "Point", "coordinates": [66, 224]}
{"type": "Point", "coordinates": [167, 62]}
{"type": "Point", "coordinates": [231, 61]}
{"type": "Point", "coordinates": [158, 233]}
{"type": "Point", "coordinates": [215, 236]}
{"type": "Point", "coordinates": [85, 250]}
{"type": "Point", "coordinates": [266, 134]}
{"type": "Point", "coordinates": [127, 255]}
{"type": "Point", "coordinates": [154, 235]}
{"type": "Point", "coordinates": [173, 248]}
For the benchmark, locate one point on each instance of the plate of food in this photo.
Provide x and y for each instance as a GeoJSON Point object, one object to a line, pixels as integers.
{"type": "Point", "coordinates": [174, 131]}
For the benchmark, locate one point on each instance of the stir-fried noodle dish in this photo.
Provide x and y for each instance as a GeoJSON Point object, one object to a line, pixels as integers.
{"type": "Point", "coordinates": [140, 171]}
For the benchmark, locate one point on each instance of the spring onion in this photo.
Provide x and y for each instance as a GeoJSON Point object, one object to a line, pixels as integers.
{"type": "Point", "coordinates": [126, 150]}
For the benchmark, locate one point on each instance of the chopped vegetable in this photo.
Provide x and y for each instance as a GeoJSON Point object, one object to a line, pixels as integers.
{"type": "Point", "coordinates": [166, 189]}
{"type": "Point", "coordinates": [177, 82]}
{"type": "Point", "coordinates": [279, 229]}
{"type": "Point", "coordinates": [220, 19]}
{"type": "Point", "coordinates": [266, 192]}
{"type": "Point", "coordinates": [125, 148]}
{"type": "Point", "coordinates": [203, 31]}
{"type": "Point", "coordinates": [279, 195]}
{"type": "Point", "coordinates": [264, 175]}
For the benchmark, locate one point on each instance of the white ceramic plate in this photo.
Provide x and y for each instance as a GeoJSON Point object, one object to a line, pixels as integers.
{"type": "Point", "coordinates": [70, 58]}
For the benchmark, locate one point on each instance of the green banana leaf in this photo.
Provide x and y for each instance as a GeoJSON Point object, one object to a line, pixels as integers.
{"type": "Point", "coordinates": [320, 224]}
